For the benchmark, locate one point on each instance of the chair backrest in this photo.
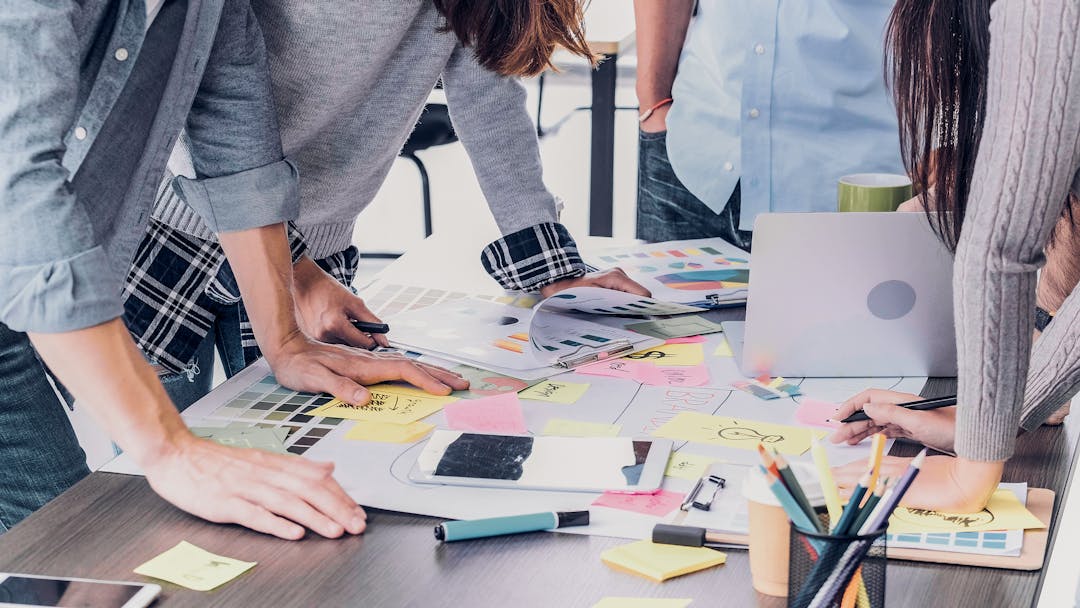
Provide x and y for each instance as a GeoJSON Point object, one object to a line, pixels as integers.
{"type": "Point", "coordinates": [432, 129]}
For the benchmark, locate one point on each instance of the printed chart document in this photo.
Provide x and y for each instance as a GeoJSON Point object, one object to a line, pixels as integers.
{"type": "Point", "coordinates": [703, 273]}
{"type": "Point", "coordinates": [552, 337]}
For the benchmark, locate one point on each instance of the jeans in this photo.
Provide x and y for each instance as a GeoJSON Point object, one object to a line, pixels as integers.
{"type": "Point", "coordinates": [224, 337]}
{"type": "Point", "coordinates": [39, 453]}
{"type": "Point", "coordinates": [667, 211]}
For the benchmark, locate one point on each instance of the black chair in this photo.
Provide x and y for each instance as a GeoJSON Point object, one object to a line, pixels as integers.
{"type": "Point", "coordinates": [432, 129]}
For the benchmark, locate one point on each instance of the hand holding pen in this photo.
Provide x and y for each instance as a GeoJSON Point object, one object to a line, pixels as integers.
{"type": "Point", "coordinates": [931, 422]}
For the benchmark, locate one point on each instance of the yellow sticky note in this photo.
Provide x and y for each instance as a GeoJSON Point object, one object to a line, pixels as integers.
{"type": "Point", "coordinates": [671, 354]}
{"type": "Point", "coordinates": [389, 403]}
{"type": "Point", "coordinates": [687, 466]}
{"type": "Point", "coordinates": [723, 349]}
{"type": "Point", "coordinates": [741, 433]}
{"type": "Point", "coordinates": [555, 392]}
{"type": "Point", "coordinates": [661, 562]}
{"type": "Point", "coordinates": [642, 602]}
{"type": "Point", "coordinates": [575, 428]}
{"type": "Point", "coordinates": [388, 432]}
{"type": "Point", "coordinates": [189, 566]}
{"type": "Point", "coordinates": [1003, 512]}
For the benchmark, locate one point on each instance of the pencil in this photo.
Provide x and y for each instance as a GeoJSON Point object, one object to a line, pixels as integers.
{"type": "Point", "coordinates": [796, 490]}
{"type": "Point", "coordinates": [868, 506]}
{"type": "Point", "coordinates": [925, 404]}
{"type": "Point", "coordinates": [371, 328]}
{"type": "Point", "coordinates": [851, 511]}
{"type": "Point", "coordinates": [877, 451]}
{"type": "Point", "coordinates": [794, 512]}
{"type": "Point", "coordinates": [828, 485]}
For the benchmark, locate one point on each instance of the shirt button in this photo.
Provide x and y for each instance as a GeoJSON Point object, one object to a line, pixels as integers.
{"type": "Point", "coordinates": [759, 49]}
{"type": "Point", "coordinates": [754, 113]}
{"type": "Point", "coordinates": [121, 54]}
{"type": "Point", "coordinates": [728, 166]}
{"type": "Point", "coordinates": [80, 133]}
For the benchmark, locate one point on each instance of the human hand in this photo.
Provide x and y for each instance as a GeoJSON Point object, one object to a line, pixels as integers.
{"type": "Point", "coordinates": [611, 279]}
{"type": "Point", "coordinates": [325, 308]}
{"type": "Point", "coordinates": [656, 122]}
{"type": "Point", "coordinates": [1058, 417]}
{"type": "Point", "coordinates": [944, 483]}
{"type": "Point", "coordinates": [933, 428]}
{"type": "Point", "coordinates": [274, 494]}
{"type": "Point", "coordinates": [304, 364]}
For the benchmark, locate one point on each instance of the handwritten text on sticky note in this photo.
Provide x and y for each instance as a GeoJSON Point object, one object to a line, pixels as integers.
{"type": "Point", "coordinates": [194, 568]}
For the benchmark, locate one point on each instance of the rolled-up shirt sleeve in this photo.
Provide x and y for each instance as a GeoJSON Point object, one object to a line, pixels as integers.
{"type": "Point", "coordinates": [243, 180]}
{"type": "Point", "coordinates": [51, 261]}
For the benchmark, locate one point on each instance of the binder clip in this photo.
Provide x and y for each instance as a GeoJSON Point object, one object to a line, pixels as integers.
{"type": "Point", "coordinates": [702, 497]}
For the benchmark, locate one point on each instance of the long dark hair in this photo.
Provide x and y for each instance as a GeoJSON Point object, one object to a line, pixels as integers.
{"type": "Point", "coordinates": [517, 37]}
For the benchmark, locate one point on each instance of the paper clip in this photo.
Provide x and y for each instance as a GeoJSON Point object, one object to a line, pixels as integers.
{"type": "Point", "coordinates": [691, 496]}
{"type": "Point", "coordinates": [705, 505]}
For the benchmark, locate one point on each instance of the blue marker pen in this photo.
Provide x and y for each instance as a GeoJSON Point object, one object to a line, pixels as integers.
{"type": "Point", "coordinates": [451, 531]}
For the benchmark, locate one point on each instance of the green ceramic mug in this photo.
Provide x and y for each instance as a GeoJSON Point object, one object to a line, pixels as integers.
{"type": "Point", "coordinates": [872, 192]}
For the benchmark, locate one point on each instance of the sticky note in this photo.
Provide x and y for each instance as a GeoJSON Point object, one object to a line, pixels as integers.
{"type": "Point", "coordinates": [814, 412]}
{"type": "Point", "coordinates": [555, 392]}
{"type": "Point", "coordinates": [687, 466]}
{"type": "Point", "coordinates": [742, 433]}
{"type": "Point", "coordinates": [269, 439]}
{"type": "Point", "coordinates": [659, 504]}
{"type": "Point", "coordinates": [687, 340]}
{"type": "Point", "coordinates": [494, 414]}
{"type": "Point", "coordinates": [612, 368]}
{"type": "Point", "coordinates": [574, 428]}
{"type": "Point", "coordinates": [676, 327]}
{"type": "Point", "coordinates": [388, 432]}
{"type": "Point", "coordinates": [189, 566]}
{"type": "Point", "coordinates": [671, 354]}
{"type": "Point", "coordinates": [1003, 512]}
{"type": "Point", "coordinates": [723, 349]}
{"type": "Point", "coordinates": [395, 404]}
{"type": "Point", "coordinates": [641, 602]}
{"type": "Point", "coordinates": [661, 562]}
{"type": "Point", "coordinates": [655, 375]}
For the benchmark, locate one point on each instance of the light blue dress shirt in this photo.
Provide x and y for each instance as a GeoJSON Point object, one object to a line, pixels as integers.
{"type": "Point", "coordinates": [786, 95]}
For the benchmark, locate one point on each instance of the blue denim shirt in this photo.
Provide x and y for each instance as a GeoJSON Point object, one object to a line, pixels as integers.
{"type": "Point", "coordinates": [63, 66]}
{"type": "Point", "coordinates": [786, 96]}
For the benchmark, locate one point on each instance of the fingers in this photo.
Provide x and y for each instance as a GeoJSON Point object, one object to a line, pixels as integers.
{"type": "Point", "coordinates": [348, 334]}
{"type": "Point", "coordinates": [885, 414]}
{"type": "Point", "coordinates": [261, 520]}
{"type": "Point", "coordinates": [853, 432]}
{"type": "Point", "coordinates": [420, 378]}
{"type": "Point", "coordinates": [617, 279]}
{"type": "Point", "coordinates": [848, 475]}
{"type": "Point", "coordinates": [289, 505]}
{"type": "Point", "coordinates": [313, 498]}
{"type": "Point", "coordinates": [358, 310]}
{"type": "Point", "coordinates": [873, 395]}
{"type": "Point", "coordinates": [451, 379]}
{"type": "Point", "coordinates": [341, 387]}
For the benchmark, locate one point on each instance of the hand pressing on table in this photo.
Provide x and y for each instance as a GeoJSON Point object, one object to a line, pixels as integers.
{"type": "Point", "coordinates": [611, 279]}
{"type": "Point", "coordinates": [933, 428]}
{"type": "Point", "coordinates": [944, 483]}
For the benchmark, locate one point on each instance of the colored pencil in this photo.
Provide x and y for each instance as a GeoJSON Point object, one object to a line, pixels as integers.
{"type": "Point", "coordinates": [828, 485]}
{"type": "Point", "coordinates": [787, 502]}
{"type": "Point", "coordinates": [877, 453]}
{"type": "Point", "coordinates": [925, 404]}
{"type": "Point", "coordinates": [868, 506]}
{"type": "Point", "coordinates": [851, 511]}
{"type": "Point", "coordinates": [796, 490]}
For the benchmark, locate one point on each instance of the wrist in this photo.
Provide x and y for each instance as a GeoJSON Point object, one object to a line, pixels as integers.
{"type": "Point", "coordinates": [977, 481]}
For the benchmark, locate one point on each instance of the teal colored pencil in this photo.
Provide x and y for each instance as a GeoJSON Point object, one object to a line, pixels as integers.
{"type": "Point", "coordinates": [851, 511]}
{"type": "Point", "coordinates": [787, 502]}
{"type": "Point", "coordinates": [868, 508]}
{"type": "Point", "coordinates": [793, 486]}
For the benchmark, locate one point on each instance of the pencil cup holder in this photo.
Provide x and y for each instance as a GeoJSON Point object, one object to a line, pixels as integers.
{"type": "Point", "coordinates": [822, 567]}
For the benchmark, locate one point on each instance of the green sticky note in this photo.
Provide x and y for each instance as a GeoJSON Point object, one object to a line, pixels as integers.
{"type": "Point", "coordinates": [269, 439]}
{"type": "Point", "coordinates": [189, 566]}
{"type": "Point", "coordinates": [677, 327]}
{"type": "Point", "coordinates": [574, 428]}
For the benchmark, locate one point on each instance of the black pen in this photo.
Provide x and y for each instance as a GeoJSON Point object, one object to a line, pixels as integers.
{"type": "Point", "coordinates": [371, 328]}
{"type": "Point", "coordinates": [925, 404]}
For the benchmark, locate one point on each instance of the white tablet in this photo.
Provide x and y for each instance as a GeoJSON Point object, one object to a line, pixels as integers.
{"type": "Point", "coordinates": [583, 464]}
{"type": "Point", "coordinates": [33, 590]}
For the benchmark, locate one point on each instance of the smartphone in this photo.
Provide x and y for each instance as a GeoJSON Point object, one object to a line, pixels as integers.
{"type": "Point", "coordinates": [34, 590]}
{"type": "Point", "coordinates": [580, 464]}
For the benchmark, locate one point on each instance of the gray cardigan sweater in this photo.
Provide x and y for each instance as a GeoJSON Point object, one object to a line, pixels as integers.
{"type": "Point", "coordinates": [350, 80]}
{"type": "Point", "coordinates": [1028, 161]}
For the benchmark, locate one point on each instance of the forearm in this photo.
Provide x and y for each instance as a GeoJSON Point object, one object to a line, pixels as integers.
{"type": "Point", "coordinates": [660, 31]}
{"type": "Point", "coordinates": [260, 260]}
{"type": "Point", "coordinates": [104, 370]}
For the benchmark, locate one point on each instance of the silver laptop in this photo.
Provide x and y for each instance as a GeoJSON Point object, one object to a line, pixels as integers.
{"type": "Point", "coordinates": [847, 295]}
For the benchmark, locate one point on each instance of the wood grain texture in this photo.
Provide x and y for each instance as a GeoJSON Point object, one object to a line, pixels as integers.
{"type": "Point", "coordinates": [108, 524]}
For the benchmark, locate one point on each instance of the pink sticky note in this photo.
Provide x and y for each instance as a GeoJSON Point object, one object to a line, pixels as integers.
{"type": "Point", "coordinates": [495, 414]}
{"type": "Point", "coordinates": [687, 340]}
{"type": "Point", "coordinates": [655, 375]}
{"type": "Point", "coordinates": [813, 412]}
{"type": "Point", "coordinates": [614, 368]}
{"type": "Point", "coordinates": [659, 504]}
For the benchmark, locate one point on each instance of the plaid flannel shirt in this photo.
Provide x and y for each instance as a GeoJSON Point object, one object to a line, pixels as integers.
{"type": "Point", "coordinates": [177, 279]}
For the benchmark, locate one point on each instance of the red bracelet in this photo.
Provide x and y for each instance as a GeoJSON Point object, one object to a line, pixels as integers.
{"type": "Point", "coordinates": [647, 113]}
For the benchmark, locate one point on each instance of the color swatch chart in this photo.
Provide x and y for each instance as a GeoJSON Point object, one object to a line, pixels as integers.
{"type": "Point", "coordinates": [637, 256]}
{"type": "Point", "coordinates": [266, 404]}
{"type": "Point", "coordinates": [389, 299]}
{"type": "Point", "coordinates": [1008, 543]}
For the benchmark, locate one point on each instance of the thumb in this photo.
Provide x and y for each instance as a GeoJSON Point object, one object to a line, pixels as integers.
{"type": "Point", "coordinates": [886, 413]}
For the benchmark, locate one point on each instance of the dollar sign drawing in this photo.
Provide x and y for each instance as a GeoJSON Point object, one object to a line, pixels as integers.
{"type": "Point", "coordinates": [648, 354]}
